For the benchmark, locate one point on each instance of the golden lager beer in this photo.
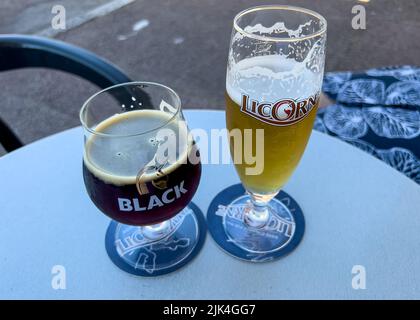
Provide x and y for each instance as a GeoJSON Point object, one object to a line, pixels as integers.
{"type": "Point", "coordinates": [273, 83]}
{"type": "Point", "coordinates": [284, 109]}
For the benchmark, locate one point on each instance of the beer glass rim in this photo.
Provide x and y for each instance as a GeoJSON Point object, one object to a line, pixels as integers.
{"type": "Point", "coordinates": [126, 84]}
{"type": "Point", "coordinates": [318, 16]}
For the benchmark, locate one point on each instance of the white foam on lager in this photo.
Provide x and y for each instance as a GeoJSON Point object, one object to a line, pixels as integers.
{"type": "Point", "coordinates": [119, 159]}
{"type": "Point", "coordinates": [270, 78]}
{"type": "Point", "coordinates": [278, 28]}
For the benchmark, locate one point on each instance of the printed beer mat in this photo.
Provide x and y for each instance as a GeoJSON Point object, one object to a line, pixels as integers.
{"type": "Point", "coordinates": [377, 111]}
{"type": "Point", "coordinates": [225, 221]}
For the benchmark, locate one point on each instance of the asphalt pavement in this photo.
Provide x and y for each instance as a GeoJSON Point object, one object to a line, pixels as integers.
{"type": "Point", "coordinates": [181, 43]}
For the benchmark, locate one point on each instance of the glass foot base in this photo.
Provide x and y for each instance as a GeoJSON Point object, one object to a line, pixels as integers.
{"type": "Point", "coordinates": [281, 235]}
{"type": "Point", "coordinates": [132, 251]}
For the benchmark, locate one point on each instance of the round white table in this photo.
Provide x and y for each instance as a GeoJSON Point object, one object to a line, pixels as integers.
{"type": "Point", "coordinates": [358, 210]}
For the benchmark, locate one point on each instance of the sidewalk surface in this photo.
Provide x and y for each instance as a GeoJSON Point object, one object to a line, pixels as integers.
{"type": "Point", "coordinates": [181, 43]}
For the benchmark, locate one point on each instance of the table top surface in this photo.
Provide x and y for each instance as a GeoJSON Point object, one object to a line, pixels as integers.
{"type": "Point", "coordinates": [358, 211]}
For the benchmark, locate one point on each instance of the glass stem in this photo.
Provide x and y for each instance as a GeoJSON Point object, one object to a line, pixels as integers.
{"type": "Point", "coordinates": [157, 231]}
{"type": "Point", "coordinates": [259, 213]}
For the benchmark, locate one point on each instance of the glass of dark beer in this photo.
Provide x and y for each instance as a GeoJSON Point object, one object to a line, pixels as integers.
{"type": "Point", "coordinates": [141, 168]}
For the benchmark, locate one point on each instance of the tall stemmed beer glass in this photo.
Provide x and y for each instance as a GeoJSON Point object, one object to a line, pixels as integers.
{"type": "Point", "coordinates": [274, 76]}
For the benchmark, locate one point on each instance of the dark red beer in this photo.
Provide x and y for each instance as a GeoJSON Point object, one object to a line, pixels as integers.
{"type": "Point", "coordinates": [111, 180]}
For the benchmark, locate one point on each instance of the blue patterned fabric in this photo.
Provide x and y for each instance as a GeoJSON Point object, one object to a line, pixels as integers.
{"type": "Point", "coordinates": [377, 111]}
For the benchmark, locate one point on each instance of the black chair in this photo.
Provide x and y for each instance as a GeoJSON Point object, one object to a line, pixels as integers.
{"type": "Point", "coordinates": [22, 51]}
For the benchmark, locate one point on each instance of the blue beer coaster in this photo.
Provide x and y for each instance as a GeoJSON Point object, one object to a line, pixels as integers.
{"type": "Point", "coordinates": [281, 236]}
{"type": "Point", "coordinates": [135, 254]}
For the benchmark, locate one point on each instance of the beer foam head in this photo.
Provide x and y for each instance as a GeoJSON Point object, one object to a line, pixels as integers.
{"type": "Point", "coordinates": [119, 154]}
{"type": "Point", "coordinates": [278, 30]}
{"type": "Point", "coordinates": [270, 78]}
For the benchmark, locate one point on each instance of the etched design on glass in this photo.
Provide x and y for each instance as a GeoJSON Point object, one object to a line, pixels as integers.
{"type": "Point", "coordinates": [403, 160]}
{"type": "Point", "coordinates": [403, 93]}
{"type": "Point", "coordinates": [392, 122]}
{"type": "Point", "coordinates": [369, 91]}
{"type": "Point", "coordinates": [345, 122]}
